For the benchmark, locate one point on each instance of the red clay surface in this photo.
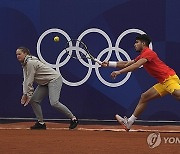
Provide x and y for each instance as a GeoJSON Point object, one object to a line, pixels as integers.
{"type": "Point", "coordinates": [16, 138]}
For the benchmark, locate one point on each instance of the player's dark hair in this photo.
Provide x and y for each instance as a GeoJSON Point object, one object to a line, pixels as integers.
{"type": "Point", "coordinates": [25, 50]}
{"type": "Point", "coordinates": [144, 38]}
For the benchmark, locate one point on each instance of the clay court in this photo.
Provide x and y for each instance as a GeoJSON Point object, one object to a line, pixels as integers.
{"type": "Point", "coordinates": [17, 138]}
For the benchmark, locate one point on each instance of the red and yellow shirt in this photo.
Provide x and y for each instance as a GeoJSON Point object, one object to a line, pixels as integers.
{"type": "Point", "coordinates": [154, 66]}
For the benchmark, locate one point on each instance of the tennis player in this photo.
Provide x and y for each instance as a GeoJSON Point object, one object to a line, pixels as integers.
{"type": "Point", "coordinates": [168, 81]}
{"type": "Point", "coordinates": [49, 82]}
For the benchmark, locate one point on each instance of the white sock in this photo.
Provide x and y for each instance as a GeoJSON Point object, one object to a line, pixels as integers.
{"type": "Point", "coordinates": [132, 119]}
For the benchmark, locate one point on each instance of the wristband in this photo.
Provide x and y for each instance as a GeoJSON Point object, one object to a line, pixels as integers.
{"type": "Point", "coordinates": [112, 64]}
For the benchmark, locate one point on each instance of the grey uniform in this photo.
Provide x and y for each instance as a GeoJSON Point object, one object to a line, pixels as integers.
{"type": "Point", "coordinates": [49, 82]}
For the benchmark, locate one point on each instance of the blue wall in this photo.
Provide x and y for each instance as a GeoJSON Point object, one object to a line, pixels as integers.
{"type": "Point", "coordinates": [22, 23]}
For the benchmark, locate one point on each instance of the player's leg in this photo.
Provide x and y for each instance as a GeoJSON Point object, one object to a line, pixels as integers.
{"type": "Point", "coordinates": [54, 95]}
{"type": "Point", "coordinates": [38, 95]}
{"type": "Point", "coordinates": [145, 97]}
{"type": "Point", "coordinates": [154, 92]}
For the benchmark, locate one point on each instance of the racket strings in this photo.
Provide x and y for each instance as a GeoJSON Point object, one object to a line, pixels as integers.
{"type": "Point", "coordinates": [77, 50]}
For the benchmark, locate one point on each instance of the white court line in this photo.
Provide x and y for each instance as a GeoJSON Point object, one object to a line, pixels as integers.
{"type": "Point", "coordinates": [132, 130]}
{"type": "Point", "coordinates": [98, 129]}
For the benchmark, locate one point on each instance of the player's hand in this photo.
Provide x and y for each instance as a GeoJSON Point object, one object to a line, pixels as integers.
{"type": "Point", "coordinates": [104, 64]}
{"type": "Point", "coordinates": [25, 100]}
{"type": "Point", "coordinates": [114, 74]}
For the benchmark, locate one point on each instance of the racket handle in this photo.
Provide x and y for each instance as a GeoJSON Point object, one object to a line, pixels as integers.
{"type": "Point", "coordinates": [98, 61]}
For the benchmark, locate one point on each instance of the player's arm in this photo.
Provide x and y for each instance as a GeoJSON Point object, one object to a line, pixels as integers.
{"type": "Point", "coordinates": [119, 64]}
{"type": "Point", "coordinates": [129, 68]}
{"type": "Point", "coordinates": [128, 63]}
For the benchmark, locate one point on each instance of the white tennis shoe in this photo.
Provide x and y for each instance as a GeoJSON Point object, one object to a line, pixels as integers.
{"type": "Point", "coordinates": [123, 122]}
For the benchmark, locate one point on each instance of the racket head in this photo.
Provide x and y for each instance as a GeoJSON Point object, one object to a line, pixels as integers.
{"type": "Point", "coordinates": [77, 49]}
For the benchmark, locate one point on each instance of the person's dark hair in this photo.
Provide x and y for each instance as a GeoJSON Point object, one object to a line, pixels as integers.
{"type": "Point", "coordinates": [144, 38]}
{"type": "Point", "coordinates": [25, 50]}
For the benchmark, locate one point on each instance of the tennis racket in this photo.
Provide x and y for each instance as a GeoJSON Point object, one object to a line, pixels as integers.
{"type": "Point", "coordinates": [78, 50]}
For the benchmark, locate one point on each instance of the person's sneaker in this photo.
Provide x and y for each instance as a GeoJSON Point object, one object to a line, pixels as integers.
{"type": "Point", "coordinates": [73, 123]}
{"type": "Point", "coordinates": [123, 122]}
{"type": "Point", "coordinates": [38, 126]}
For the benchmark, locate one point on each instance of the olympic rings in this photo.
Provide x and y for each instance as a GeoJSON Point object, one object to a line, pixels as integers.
{"type": "Point", "coordinates": [89, 65]}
